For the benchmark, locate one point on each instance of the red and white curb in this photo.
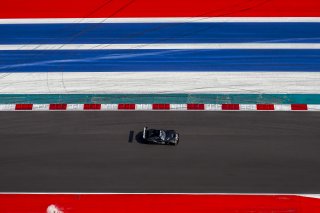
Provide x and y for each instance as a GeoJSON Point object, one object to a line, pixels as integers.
{"type": "Point", "coordinates": [159, 107]}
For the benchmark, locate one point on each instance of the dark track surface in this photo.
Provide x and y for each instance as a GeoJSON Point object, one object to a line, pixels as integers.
{"type": "Point", "coordinates": [239, 152]}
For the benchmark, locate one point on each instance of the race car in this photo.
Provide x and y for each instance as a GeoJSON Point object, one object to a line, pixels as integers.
{"type": "Point", "coordinates": [160, 136]}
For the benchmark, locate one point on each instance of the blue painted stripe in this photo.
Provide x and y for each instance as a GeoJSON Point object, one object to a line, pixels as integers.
{"type": "Point", "coordinates": [159, 60]}
{"type": "Point", "coordinates": [161, 98]}
{"type": "Point", "coordinates": [159, 33]}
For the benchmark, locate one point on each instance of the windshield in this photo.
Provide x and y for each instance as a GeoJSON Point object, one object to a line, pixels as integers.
{"type": "Point", "coordinates": [162, 135]}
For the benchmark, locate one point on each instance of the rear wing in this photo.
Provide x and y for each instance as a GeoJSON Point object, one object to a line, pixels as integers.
{"type": "Point", "coordinates": [144, 132]}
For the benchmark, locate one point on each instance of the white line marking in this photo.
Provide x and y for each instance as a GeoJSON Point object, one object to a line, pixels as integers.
{"type": "Point", "coordinates": [186, 193]}
{"type": "Point", "coordinates": [146, 46]}
{"type": "Point", "coordinates": [157, 20]}
{"type": "Point", "coordinates": [317, 196]}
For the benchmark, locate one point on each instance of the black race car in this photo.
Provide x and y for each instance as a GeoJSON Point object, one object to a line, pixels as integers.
{"type": "Point", "coordinates": [159, 136]}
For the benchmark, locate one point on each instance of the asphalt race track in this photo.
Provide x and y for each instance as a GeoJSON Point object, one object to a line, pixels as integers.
{"type": "Point", "coordinates": [230, 152]}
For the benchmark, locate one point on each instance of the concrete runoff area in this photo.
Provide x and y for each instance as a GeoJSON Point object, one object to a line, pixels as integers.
{"type": "Point", "coordinates": [219, 152]}
{"type": "Point", "coordinates": [158, 82]}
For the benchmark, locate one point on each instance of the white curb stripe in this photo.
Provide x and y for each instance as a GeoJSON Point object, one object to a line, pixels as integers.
{"type": "Point", "coordinates": [75, 107]}
{"type": "Point", "coordinates": [178, 107]}
{"type": "Point", "coordinates": [248, 107]}
{"type": "Point", "coordinates": [212, 107]}
{"type": "Point", "coordinates": [282, 107]}
{"type": "Point", "coordinates": [7, 107]}
{"type": "Point", "coordinates": [313, 107]}
{"type": "Point", "coordinates": [162, 46]}
{"type": "Point", "coordinates": [40, 107]}
{"type": "Point", "coordinates": [109, 107]}
{"type": "Point", "coordinates": [156, 20]}
{"type": "Point", "coordinates": [144, 107]}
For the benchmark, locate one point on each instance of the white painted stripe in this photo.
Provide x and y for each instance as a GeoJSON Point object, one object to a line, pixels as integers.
{"type": "Point", "coordinates": [313, 107]}
{"type": "Point", "coordinates": [317, 196]}
{"type": "Point", "coordinates": [153, 193]}
{"type": "Point", "coordinates": [40, 107]}
{"type": "Point", "coordinates": [149, 83]}
{"type": "Point", "coordinates": [144, 107]}
{"type": "Point", "coordinates": [212, 107]}
{"type": "Point", "coordinates": [146, 46]}
{"type": "Point", "coordinates": [178, 107]}
{"type": "Point", "coordinates": [282, 107]}
{"type": "Point", "coordinates": [7, 107]}
{"type": "Point", "coordinates": [75, 107]}
{"type": "Point", "coordinates": [107, 107]}
{"type": "Point", "coordinates": [248, 107]}
{"type": "Point", "coordinates": [158, 20]}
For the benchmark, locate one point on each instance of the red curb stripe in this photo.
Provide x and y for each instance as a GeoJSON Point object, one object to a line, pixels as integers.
{"type": "Point", "coordinates": [163, 8]}
{"type": "Point", "coordinates": [92, 106]}
{"type": "Point", "coordinates": [161, 106]}
{"type": "Point", "coordinates": [24, 106]}
{"type": "Point", "coordinates": [299, 107]}
{"type": "Point", "coordinates": [230, 106]}
{"type": "Point", "coordinates": [57, 106]}
{"type": "Point", "coordinates": [126, 106]}
{"type": "Point", "coordinates": [156, 203]}
{"type": "Point", "coordinates": [195, 106]}
{"type": "Point", "coordinates": [265, 106]}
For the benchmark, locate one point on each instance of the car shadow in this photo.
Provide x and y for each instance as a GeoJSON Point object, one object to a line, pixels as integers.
{"type": "Point", "coordinates": [139, 138]}
{"type": "Point", "coordinates": [131, 134]}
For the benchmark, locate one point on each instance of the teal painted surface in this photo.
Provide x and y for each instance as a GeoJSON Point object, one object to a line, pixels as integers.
{"type": "Point", "coordinates": [161, 98]}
